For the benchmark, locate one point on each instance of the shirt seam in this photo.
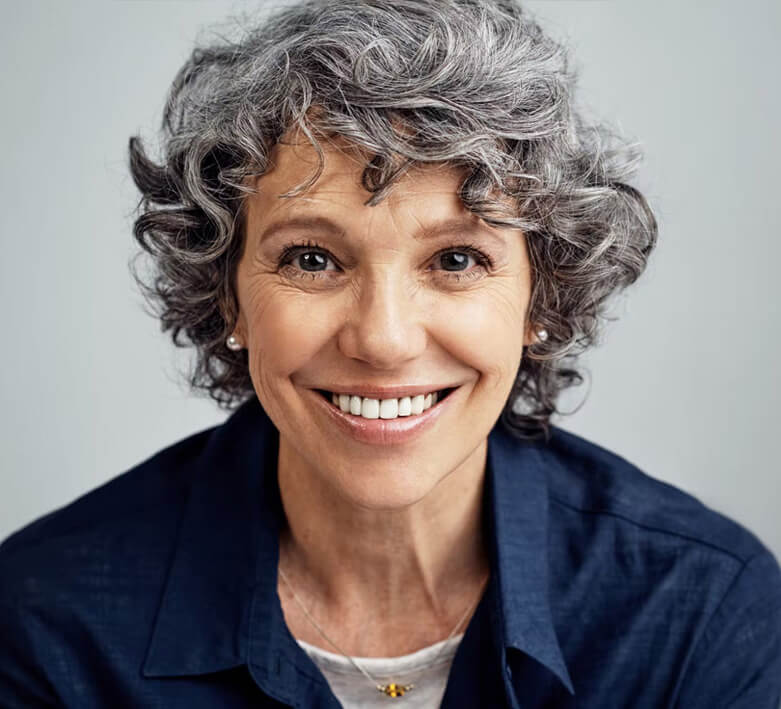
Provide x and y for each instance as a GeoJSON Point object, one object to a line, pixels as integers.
{"type": "Point", "coordinates": [653, 528]}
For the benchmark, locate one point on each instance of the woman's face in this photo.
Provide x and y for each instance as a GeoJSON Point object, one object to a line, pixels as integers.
{"type": "Point", "coordinates": [338, 296]}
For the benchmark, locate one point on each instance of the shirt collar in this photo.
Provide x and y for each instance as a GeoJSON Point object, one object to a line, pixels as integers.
{"type": "Point", "coordinates": [518, 496]}
{"type": "Point", "coordinates": [226, 528]}
{"type": "Point", "coordinates": [228, 541]}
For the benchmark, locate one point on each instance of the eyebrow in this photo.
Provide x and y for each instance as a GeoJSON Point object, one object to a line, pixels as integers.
{"type": "Point", "coordinates": [455, 226]}
{"type": "Point", "coordinates": [301, 224]}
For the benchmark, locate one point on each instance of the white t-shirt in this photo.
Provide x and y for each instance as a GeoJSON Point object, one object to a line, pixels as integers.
{"type": "Point", "coordinates": [354, 690]}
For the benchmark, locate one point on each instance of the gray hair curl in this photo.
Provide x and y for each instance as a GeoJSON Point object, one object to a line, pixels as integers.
{"type": "Point", "coordinates": [471, 83]}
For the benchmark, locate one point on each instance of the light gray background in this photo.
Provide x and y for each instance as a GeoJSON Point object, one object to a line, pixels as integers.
{"type": "Point", "coordinates": [685, 386]}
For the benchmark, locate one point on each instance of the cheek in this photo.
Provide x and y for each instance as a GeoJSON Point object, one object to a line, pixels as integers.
{"type": "Point", "coordinates": [485, 330]}
{"type": "Point", "coordinates": [285, 329]}
{"type": "Point", "coordinates": [482, 328]}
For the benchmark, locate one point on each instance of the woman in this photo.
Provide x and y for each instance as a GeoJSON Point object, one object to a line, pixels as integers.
{"type": "Point", "coordinates": [388, 236]}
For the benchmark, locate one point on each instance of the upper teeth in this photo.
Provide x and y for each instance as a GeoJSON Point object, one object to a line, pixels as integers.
{"type": "Point", "coordinates": [384, 408]}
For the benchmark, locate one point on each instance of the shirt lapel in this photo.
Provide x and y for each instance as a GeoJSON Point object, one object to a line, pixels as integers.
{"type": "Point", "coordinates": [211, 579]}
{"type": "Point", "coordinates": [518, 495]}
{"type": "Point", "coordinates": [220, 607]}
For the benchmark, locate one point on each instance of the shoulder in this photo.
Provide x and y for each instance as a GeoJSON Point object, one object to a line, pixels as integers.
{"type": "Point", "coordinates": [652, 539]}
{"type": "Point", "coordinates": [84, 580]}
{"type": "Point", "coordinates": [590, 480]}
{"type": "Point", "coordinates": [140, 505]}
{"type": "Point", "coordinates": [700, 593]}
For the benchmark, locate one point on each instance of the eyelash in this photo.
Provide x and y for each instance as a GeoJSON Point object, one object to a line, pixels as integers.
{"type": "Point", "coordinates": [290, 251]}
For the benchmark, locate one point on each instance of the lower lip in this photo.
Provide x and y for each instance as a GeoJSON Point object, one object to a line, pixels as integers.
{"type": "Point", "coordinates": [384, 431]}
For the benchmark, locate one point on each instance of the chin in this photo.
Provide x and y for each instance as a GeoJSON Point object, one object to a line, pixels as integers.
{"type": "Point", "coordinates": [386, 490]}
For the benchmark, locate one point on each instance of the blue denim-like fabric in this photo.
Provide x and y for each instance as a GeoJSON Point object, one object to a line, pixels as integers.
{"type": "Point", "coordinates": [608, 589]}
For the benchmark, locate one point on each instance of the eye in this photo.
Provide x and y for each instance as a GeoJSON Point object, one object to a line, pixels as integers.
{"type": "Point", "coordinates": [312, 261]}
{"type": "Point", "coordinates": [305, 260]}
{"type": "Point", "coordinates": [309, 260]}
{"type": "Point", "coordinates": [458, 258]}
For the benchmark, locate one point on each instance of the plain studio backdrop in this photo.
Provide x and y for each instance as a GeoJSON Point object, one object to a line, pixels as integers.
{"type": "Point", "coordinates": [685, 384]}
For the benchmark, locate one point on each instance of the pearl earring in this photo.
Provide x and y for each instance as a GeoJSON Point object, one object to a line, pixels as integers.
{"type": "Point", "coordinates": [232, 343]}
{"type": "Point", "coordinates": [542, 334]}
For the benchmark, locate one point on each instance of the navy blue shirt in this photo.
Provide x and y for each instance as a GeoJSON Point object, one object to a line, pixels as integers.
{"type": "Point", "coordinates": [608, 589]}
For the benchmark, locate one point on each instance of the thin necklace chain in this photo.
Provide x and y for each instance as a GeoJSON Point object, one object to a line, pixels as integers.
{"type": "Point", "coordinates": [342, 652]}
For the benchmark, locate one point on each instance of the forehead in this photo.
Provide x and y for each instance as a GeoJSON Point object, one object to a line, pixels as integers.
{"type": "Point", "coordinates": [423, 203]}
{"type": "Point", "coordinates": [294, 161]}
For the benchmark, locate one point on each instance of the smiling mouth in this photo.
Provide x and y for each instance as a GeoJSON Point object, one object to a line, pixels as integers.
{"type": "Point", "coordinates": [441, 395]}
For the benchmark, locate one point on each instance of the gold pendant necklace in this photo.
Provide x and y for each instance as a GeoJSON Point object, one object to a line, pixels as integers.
{"type": "Point", "coordinates": [392, 689]}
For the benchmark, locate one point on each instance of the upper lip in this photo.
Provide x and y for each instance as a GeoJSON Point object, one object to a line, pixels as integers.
{"type": "Point", "coordinates": [397, 392]}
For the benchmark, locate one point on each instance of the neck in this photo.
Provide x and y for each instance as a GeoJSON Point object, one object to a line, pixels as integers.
{"type": "Point", "coordinates": [425, 561]}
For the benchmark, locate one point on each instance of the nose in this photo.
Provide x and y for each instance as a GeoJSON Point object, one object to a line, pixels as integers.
{"type": "Point", "coordinates": [386, 325]}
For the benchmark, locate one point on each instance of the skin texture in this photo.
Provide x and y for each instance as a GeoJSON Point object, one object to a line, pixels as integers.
{"type": "Point", "coordinates": [384, 547]}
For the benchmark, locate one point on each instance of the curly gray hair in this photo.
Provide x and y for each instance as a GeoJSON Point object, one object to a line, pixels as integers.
{"type": "Point", "coordinates": [470, 83]}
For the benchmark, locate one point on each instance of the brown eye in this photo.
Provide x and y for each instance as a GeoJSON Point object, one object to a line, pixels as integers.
{"type": "Point", "coordinates": [455, 263]}
{"type": "Point", "coordinates": [307, 260]}
{"type": "Point", "coordinates": [312, 261]}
